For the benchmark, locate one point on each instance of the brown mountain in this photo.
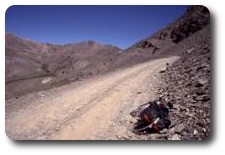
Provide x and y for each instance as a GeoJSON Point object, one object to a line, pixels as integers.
{"type": "Point", "coordinates": [32, 66]}
{"type": "Point", "coordinates": [195, 18]}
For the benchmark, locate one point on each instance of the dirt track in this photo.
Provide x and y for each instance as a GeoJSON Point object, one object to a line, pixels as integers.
{"type": "Point", "coordinates": [97, 108]}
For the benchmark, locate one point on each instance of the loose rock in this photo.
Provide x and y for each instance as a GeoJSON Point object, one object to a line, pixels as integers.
{"type": "Point", "coordinates": [175, 137]}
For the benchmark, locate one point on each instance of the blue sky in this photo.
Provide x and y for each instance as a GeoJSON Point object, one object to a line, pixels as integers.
{"type": "Point", "coordinates": [121, 26]}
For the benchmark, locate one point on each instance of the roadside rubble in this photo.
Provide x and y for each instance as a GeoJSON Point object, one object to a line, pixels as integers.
{"type": "Point", "coordinates": [185, 92]}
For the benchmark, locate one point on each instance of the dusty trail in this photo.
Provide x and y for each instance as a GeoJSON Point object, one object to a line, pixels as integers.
{"type": "Point", "coordinates": [97, 108]}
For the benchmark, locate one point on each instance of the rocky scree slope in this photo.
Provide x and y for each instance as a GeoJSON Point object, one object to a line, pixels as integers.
{"type": "Point", "coordinates": [185, 85]}
{"type": "Point", "coordinates": [185, 90]}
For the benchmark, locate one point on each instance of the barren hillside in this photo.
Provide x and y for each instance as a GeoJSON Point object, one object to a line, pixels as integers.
{"type": "Point", "coordinates": [195, 18]}
{"type": "Point", "coordinates": [32, 66]}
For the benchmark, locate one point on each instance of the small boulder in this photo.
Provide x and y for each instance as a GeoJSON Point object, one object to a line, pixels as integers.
{"type": "Point", "coordinates": [200, 92]}
{"type": "Point", "coordinates": [188, 136]}
{"type": "Point", "coordinates": [175, 137]}
{"type": "Point", "coordinates": [162, 70]}
{"type": "Point", "coordinates": [201, 82]}
{"type": "Point", "coordinates": [179, 128]}
{"type": "Point", "coordinates": [190, 51]}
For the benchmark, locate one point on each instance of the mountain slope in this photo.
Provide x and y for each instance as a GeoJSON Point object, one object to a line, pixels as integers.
{"type": "Point", "coordinates": [32, 66]}
{"type": "Point", "coordinates": [195, 18]}
{"type": "Point", "coordinates": [36, 66]}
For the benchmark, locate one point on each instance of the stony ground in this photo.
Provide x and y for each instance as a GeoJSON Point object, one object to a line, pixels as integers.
{"type": "Point", "coordinates": [185, 89]}
{"type": "Point", "coordinates": [188, 90]}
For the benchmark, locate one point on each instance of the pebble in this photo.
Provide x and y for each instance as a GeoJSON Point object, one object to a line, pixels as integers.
{"type": "Point", "coordinates": [175, 137]}
{"type": "Point", "coordinates": [179, 128]}
{"type": "Point", "coordinates": [195, 132]}
{"type": "Point", "coordinates": [201, 82]}
{"type": "Point", "coordinates": [188, 136]}
{"type": "Point", "coordinates": [190, 51]}
{"type": "Point", "coordinates": [163, 131]}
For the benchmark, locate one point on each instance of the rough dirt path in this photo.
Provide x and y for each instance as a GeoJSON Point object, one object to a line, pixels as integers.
{"type": "Point", "coordinates": [97, 108]}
